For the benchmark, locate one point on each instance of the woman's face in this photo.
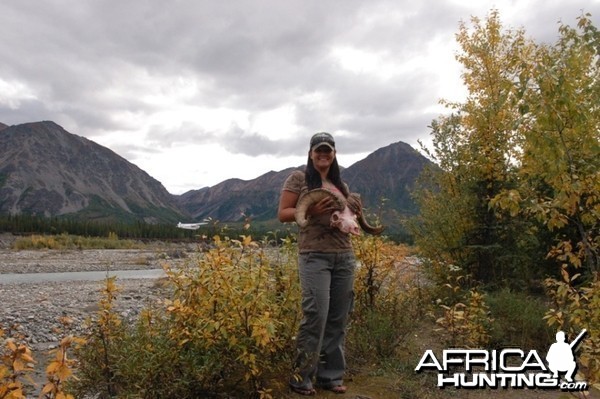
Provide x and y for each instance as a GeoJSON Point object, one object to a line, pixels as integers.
{"type": "Point", "coordinates": [322, 157]}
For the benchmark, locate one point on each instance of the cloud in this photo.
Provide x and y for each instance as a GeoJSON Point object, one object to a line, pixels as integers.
{"type": "Point", "coordinates": [251, 79]}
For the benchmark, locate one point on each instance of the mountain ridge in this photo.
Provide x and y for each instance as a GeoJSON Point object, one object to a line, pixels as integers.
{"type": "Point", "coordinates": [48, 171]}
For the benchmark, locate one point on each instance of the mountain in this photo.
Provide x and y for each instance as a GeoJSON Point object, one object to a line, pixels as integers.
{"type": "Point", "coordinates": [389, 173]}
{"type": "Point", "coordinates": [45, 170]}
{"type": "Point", "coordinates": [233, 199]}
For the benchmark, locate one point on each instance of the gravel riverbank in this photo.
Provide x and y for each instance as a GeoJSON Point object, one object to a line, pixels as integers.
{"type": "Point", "coordinates": [40, 313]}
{"type": "Point", "coordinates": [34, 310]}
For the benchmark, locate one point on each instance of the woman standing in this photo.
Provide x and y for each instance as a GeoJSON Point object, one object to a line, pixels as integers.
{"type": "Point", "coordinates": [326, 267]}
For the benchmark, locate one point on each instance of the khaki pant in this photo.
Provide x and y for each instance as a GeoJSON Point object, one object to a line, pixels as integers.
{"type": "Point", "coordinates": [327, 281]}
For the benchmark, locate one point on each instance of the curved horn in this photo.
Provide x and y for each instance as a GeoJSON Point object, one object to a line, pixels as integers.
{"type": "Point", "coordinates": [367, 228]}
{"type": "Point", "coordinates": [311, 197]}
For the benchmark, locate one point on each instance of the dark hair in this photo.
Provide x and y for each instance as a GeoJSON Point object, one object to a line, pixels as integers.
{"type": "Point", "coordinates": [313, 177]}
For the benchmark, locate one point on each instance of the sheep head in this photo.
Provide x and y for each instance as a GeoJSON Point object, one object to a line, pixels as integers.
{"type": "Point", "coordinates": [342, 218]}
{"type": "Point", "coordinates": [312, 197]}
{"type": "Point", "coordinates": [345, 221]}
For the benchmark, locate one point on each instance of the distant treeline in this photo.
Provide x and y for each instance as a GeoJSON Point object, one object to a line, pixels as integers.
{"type": "Point", "coordinates": [29, 224]}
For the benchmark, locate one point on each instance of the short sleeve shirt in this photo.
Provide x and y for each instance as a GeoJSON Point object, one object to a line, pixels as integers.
{"type": "Point", "coordinates": [318, 235]}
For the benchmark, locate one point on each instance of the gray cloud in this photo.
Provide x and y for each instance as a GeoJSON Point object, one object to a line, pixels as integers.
{"type": "Point", "coordinates": [88, 65]}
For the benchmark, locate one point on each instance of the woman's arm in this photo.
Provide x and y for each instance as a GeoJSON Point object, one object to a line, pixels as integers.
{"type": "Point", "coordinates": [287, 206]}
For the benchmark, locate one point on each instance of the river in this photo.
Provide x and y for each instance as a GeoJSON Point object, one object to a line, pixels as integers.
{"type": "Point", "coordinates": [79, 276]}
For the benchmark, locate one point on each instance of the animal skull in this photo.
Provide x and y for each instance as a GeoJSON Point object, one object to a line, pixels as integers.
{"type": "Point", "coordinates": [345, 220]}
{"type": "Point", "coordinates": [342, 218]}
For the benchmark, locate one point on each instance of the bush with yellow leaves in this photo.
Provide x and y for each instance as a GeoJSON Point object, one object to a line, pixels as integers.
{"type": "Point", "coordinates": [576, 306]}
{"type": "Point", "coordinates": [60, 369]}
{"type": "Point", "coordinates": [238, 310]}
{"type": "Point", "coordinates": [17, 365]}
{"type": "Point", "coordinates": [228, 325]}
{"type": "Point", "coordinates": [467, 323]}
{"type": "Point", "coordinates": [386, 297]}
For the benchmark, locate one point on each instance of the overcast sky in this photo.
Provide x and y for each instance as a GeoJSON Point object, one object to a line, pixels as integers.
{"type": "Point", "coordinates": [195, 91]}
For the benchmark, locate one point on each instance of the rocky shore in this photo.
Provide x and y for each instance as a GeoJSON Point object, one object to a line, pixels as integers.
{"type": "Point", "coordinates": [42, 312]}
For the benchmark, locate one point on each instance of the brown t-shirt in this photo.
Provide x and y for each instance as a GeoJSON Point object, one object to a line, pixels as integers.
{"type": "Point", "coordinates": [317, 236]}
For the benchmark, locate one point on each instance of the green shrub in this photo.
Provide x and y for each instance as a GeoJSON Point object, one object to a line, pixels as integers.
{"type": "Point", "coordinates": [518, 320]}
{"type": "Point", "coordinates": [99, 371]}
{"type": "Point", "coordinates": [466, 323]}
{"type": "Point", "coordinates": [387, 299]}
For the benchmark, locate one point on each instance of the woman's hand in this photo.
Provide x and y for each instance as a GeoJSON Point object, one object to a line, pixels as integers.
{"type": "Point", "coordinates": [325, 205]}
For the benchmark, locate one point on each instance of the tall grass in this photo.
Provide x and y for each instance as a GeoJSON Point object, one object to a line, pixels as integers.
{"type": "Point", "coordinates": [518, 320]}
{"type": "Point", "coordinates": [66, 241]}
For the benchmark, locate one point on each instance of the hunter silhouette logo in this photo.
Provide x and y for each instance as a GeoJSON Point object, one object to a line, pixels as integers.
{"type": "Point", "coordinates": [507, 368]}
{"type": "Point", "coordinates": [560, 355]}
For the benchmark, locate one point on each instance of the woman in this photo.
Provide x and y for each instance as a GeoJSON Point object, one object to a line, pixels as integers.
{"type": "Point", "coordinates": [326, 267]}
